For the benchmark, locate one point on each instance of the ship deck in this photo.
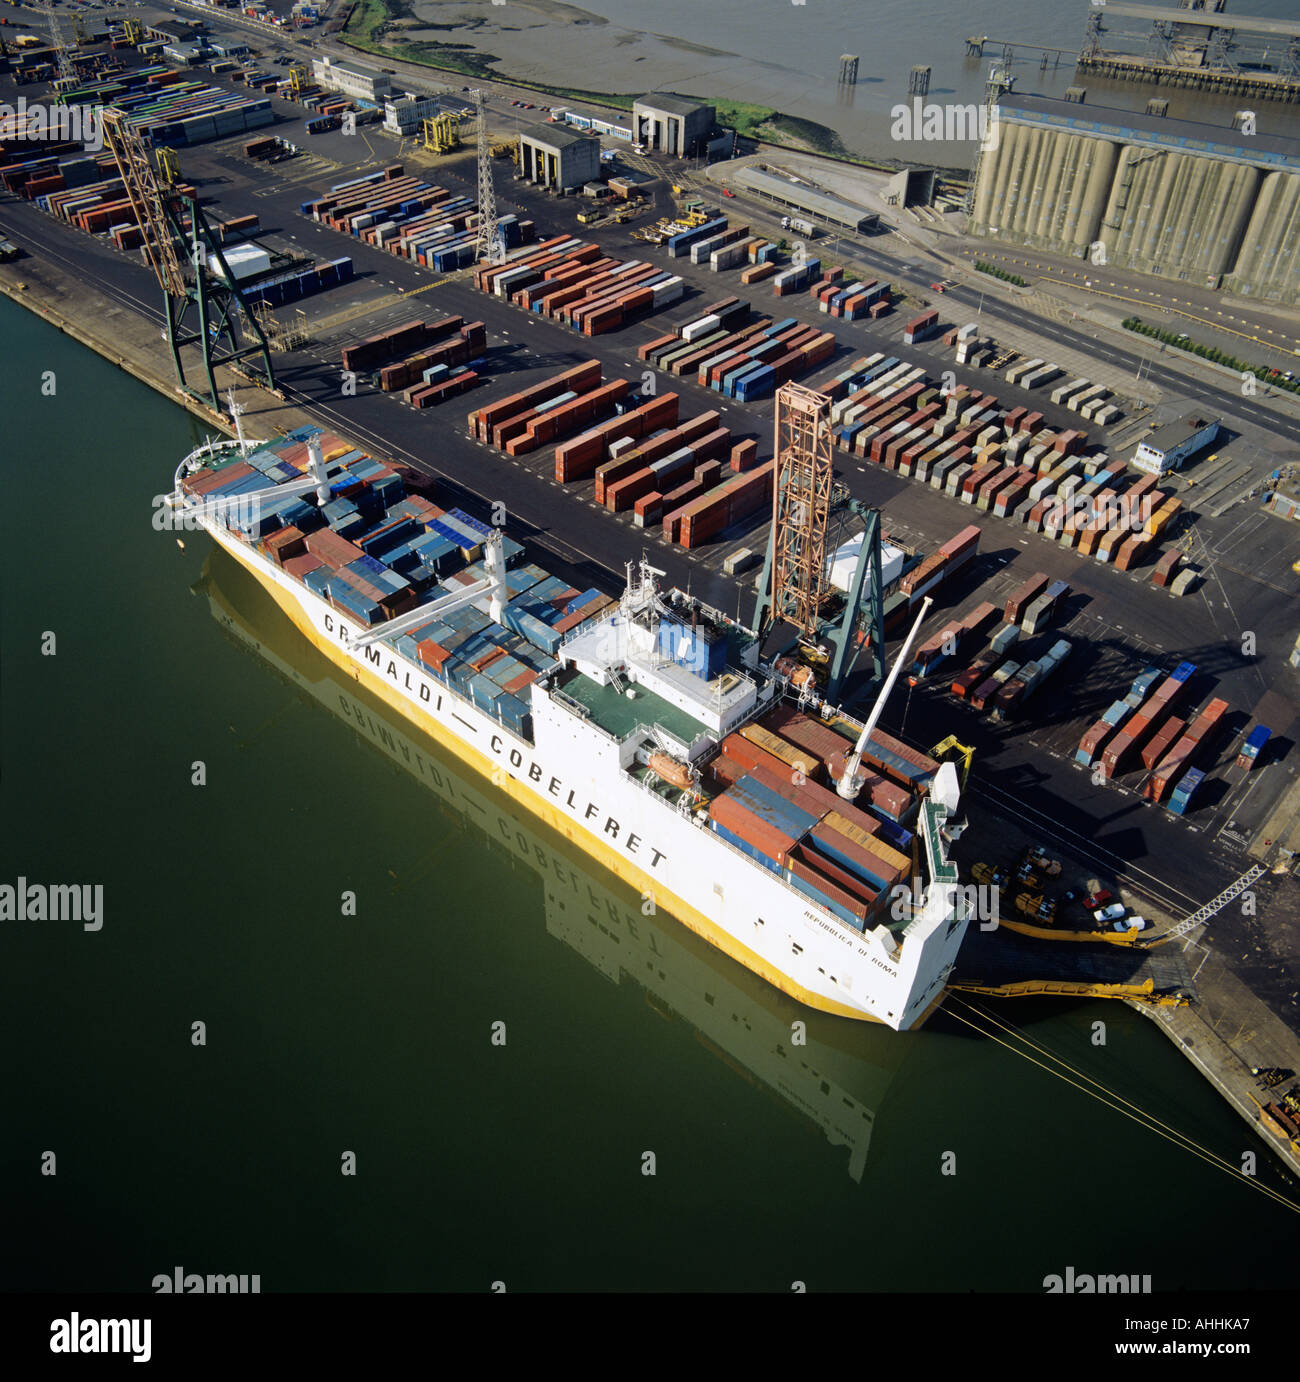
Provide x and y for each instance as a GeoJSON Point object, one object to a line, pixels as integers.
{"type": "Point", "coordinates": [618, 715]}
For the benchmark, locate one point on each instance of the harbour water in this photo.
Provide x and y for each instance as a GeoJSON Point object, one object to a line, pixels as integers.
{"type": "Point", "coordinates": [519, 1152]}
{"type": "Point", "coordinates": [786, 55]}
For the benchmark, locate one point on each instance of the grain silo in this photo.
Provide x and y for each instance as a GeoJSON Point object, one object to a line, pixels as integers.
{"type": "Point", "coordinates": [1174, 198]}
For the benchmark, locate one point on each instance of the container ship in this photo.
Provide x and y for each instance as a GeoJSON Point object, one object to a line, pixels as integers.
{"type": "Point", "coordinates": [648, 730]}
{"type": "Point", "coordinates": [839, 1080]}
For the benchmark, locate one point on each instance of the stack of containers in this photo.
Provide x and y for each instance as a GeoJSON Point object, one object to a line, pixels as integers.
{"type": "Point", "coordinates": [948, 641]}
{"type": "Point", "coordinates": [735, 499]}
{"type": "Point", "coordinates": [1038, 612]}
{"type": "Point", "coordinates": [1119, 711]}
{"type": "Point", "coordinates": [1140, 727]}
{"type": "Point", "coordinates": [798, 276]}
{"type": "Point", "coordinates": [1181, 756]}
{"type": "Point", "coordinates": [498, 422]}
{"type": "Point", "coordinates": [936, 568]}
{"type": "Point", "coordinates": [920, 327]}
{"type": "Point", "coordinates": [580, 458]}
{"type": "Point", "coordinates": [1254, 748]}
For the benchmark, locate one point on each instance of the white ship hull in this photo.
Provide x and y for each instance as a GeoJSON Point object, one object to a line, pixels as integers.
{"type": "Point", "coordinates": [672, 859]}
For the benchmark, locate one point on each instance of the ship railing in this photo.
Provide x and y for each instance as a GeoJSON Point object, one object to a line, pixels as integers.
{"type": "Point", "coordinates": [803, 899]}
{"type": "Point", "coordinates": [576, 708]}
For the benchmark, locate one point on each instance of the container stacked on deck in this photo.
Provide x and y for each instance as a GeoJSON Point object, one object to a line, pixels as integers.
{"type": "Point", "coordinates": [569, 281]}
{"type": "Point", "coordinates": [411, 218]}
{"type": "Point", "coordinates": [374, 552]}
{"type": "Point", "coordinates": [778, 806]}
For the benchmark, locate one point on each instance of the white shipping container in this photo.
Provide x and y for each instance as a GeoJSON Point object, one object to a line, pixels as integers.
{"type": "Point", "coordinates": [244, 261]}
{"type": "Point", "coordinates": [701, 326]}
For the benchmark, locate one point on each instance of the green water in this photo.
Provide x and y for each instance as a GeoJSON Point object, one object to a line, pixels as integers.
{"type": "Point", "coordinates": [372, 1034]}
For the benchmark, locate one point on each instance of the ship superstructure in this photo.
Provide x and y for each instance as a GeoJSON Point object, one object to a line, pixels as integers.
{"type": "Point", "coordinates": [646, 729]}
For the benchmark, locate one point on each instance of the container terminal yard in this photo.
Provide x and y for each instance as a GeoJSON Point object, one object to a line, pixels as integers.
{"type": "Point", "coordinates": [985, 429]}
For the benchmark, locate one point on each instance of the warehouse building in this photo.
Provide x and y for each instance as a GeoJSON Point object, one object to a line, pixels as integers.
{"type": "Point", "coordinates": [673, 125]}
{"type": "Point", "coordinates": [557, 157]}
{"type": "Point", "coordinates": [185, 54]}
{"type": "Point", "coordinates": [406, 114]}
{"type": "Point", "coordinates": [794, 196]}
{"type": "Point", "coordinates": [176, 31]}
{"type": "Point", "coordinates": [352, 79]}
{"type": "Point", "coordinates": [1168, 447]}
{"type": "Point", "coordinates": [1199, 203]}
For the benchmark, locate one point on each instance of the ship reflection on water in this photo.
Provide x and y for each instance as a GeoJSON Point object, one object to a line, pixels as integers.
{"type": "Point", "coordinates": [834, 1072]}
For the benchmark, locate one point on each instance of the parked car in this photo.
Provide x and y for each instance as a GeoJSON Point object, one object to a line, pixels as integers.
{"type": "Point", "coordinates": [1098, 899]}
{"type": "Point", "coordinates": [1111, 913]}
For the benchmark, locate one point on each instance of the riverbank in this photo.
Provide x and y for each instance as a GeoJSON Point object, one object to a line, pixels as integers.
{"type": "Point", "coordinates": [372, 22]}
{"type": "Point", "coordinates": [128, 339]}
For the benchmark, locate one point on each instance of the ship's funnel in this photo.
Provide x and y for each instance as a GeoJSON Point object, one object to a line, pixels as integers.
{"type": "Point", "coordinates": [945, 789]}
{"type": "Point", "coordinates": [316, 469]}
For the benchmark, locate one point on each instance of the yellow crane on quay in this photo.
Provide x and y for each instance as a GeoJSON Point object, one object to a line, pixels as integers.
{"type": "Point", "coordinates": [440, 134]}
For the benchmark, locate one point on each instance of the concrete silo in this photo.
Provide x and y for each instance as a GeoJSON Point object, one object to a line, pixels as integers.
{"type": "Point", "coordinates": [1268, 265]}
{"type": "Point", "coordinates": [1043, 187]}
{"type": "Point", "coordinates": [1177, 215]}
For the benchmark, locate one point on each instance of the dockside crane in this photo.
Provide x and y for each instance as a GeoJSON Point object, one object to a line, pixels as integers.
{"type": "Point", "coordinates": [490, 246]}
{"type": "Point", "coordinates": [190, 266]}
{"type": "Point", "coordinates": [67, 79]}
{"type": "Point", "coordinates": [794, 589]}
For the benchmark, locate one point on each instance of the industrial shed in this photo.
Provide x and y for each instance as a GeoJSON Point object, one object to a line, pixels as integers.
{"type": "Point", "coordinates": [672, 124]}
{"type": "Point", "coordinates": [801, 198]}
{"type": "Point", "coordinates": [558, 157]}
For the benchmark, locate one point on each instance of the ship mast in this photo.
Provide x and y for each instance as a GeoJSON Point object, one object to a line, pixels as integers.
{"type": "Point", "coordinates": [847, 786]}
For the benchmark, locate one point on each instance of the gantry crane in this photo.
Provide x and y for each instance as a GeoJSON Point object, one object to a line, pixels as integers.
{"type": "Point", "coordinates": [440, 133]}
{"type": "Point", "coordinates": [794, 589]}
{"type": "Point", "coordinates": [172, 223]}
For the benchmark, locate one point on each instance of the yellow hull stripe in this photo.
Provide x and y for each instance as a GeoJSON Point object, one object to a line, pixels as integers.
{"type": "Point", "coordinates": [629, 873]}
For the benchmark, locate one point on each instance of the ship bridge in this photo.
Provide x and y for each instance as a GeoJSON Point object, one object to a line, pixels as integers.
{"type": "Point", "coordinates": [649, 665]}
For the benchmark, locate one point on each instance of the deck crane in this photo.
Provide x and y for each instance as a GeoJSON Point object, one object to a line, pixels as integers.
{"type": "Point", "coordinates": [190, 266]}
{"type": "Point", "coordinates": [847, 786]}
